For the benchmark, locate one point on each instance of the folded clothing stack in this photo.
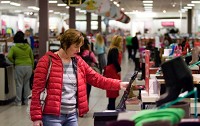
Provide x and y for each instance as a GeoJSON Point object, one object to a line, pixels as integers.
{"type": "Point", "coordinates": [171, 115]}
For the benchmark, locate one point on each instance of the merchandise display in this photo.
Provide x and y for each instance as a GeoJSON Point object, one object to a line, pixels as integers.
{"type": "Point", "coordinates": [100, 118]}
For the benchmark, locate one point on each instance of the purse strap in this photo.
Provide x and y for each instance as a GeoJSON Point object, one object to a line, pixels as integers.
{"type": "Point", "coordinates": [48, 72]}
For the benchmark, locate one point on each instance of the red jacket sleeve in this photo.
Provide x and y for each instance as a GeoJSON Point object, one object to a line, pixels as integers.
{"type": "Point", "coordinates": [97, 80]}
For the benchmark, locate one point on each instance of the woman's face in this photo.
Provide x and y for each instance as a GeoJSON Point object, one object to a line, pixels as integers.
{"type": "Point", "coordinates": [73, 49]}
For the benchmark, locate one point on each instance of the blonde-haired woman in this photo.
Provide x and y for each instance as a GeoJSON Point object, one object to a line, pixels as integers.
{"type": "Point", "coordinates": [113, 68]}
{"type": "Point", "coordinates": [100, 51]}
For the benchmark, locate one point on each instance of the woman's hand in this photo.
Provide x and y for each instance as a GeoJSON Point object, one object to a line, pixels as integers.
{"type": "Point", "coordinates": [38, 123]}
{"type": "Point", "coordinates": [124, 85]}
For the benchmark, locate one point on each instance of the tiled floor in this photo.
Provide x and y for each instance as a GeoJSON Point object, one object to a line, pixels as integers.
{"type": "Point", "coordinates": [11, 115]}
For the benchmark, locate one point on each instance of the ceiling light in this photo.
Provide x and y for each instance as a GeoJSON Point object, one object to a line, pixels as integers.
{"type": "Point", "coordinates": [148, 4]}
{"type": "Point", "coordinates": [183, 10]}
{"type": "Point", "coordinates": [78, 9]}
{"type": "Point", "coordinates": [115, 2]}
{"type": "Point", "coordinates": [56, 12]}
{"type": "Point", "coordinates": [50, 11]}
{"type": "Point", "coordinates": [15, 4]}
{"type": "Point", "coordinates": [193, 2]}
{"type": "Point", "coordinates": [173, 4]}
{"type": "Point", "coordinates": [4, 2]}
{"type": "Point", "coordinates": [148, 1]}
{"type": "Point", "coordinates": [62, 13]}
{"type": "Point", "coordinates": [61, 5]}
{"type": "Point", "coordinates": [187, 7]}
{"type": "Point", "coordinates": [148, 7]}
{"type": "Point", "coordinates": [53, 1]}
{"type": "Point", "coordinates": [34, 8]}
{"type": "Point", "coordinates": [190, 5]}
{"type": "Point", "coordinates": [82, 11]}
{"type": "Point", "coordinates": [164, 11]}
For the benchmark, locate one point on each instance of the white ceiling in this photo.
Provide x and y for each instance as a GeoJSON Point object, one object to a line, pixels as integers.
{"type": "Point", "coordinates": [128, 5]}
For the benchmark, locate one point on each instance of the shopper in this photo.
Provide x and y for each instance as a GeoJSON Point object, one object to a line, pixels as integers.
{"type": "Point", "coordinates": [129, 45]}
{"type": "Point", "coordinates": [66, 98]}
{"type": "Point", "coordinates": [29, 38]}
{"type": "Point", "coordinates": [113, 68]}
{"type": "Point", "coordinates": [21, 56]}
{"type": "Point", "coordinates": [135, 44]}
{"type": "Point", "coordinates": [88, 56]}
{"type": "Point", "coordinates": [100, 51]}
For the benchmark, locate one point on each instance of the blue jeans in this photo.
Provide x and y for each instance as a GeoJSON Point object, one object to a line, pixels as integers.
{"type": "Point", "coordinates": [62, 120]}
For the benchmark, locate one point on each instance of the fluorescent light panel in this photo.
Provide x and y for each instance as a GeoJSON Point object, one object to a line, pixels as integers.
{"type": "Point", "coordinates": [148, 4]}
{"type": "Point", "coordinates": [148, 7]}
{"type": "Point", "coordinates": [147, 1]}
{"type": "Point", "coordinates": [191, 5]}
{"type": "Point", "coordinates": [56, 12]}
{"type": "Point", "coordinates": [15, 4]}
{"type": "Point", "coordinates": [187, 7]}
{"type": "Point", "coordinates": [53, 1]}
{"type": "Point", "coordinates": [5, 2]}
{"type": "Point", "coordinates": [33, 7]}
{"type": "Point", "coordinates": [193, 2]}
{"type": "Point", "coordinates": [61, 5]}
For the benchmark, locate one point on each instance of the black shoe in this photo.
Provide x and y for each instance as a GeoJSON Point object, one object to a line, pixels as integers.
{"type": "Point", "coordinates": [177, 76]}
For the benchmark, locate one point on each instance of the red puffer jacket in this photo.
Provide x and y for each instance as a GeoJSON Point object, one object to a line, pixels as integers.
{"type": "Point", "coordinates": [53, 100]}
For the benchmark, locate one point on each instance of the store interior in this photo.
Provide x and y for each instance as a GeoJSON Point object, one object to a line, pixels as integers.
{"type": "Point", "coordinates": [164, 24]}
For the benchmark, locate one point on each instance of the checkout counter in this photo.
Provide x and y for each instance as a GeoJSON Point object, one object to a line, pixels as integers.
{"type": "Point", "coordinates": [7, 85]}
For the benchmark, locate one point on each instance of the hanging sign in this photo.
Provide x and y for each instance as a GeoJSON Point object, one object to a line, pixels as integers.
{"type": "Point", "coordinates": [73, 3]}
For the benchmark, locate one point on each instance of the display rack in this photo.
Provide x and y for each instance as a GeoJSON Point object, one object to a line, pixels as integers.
{"type": "Point", "coordinates": [6, 44]}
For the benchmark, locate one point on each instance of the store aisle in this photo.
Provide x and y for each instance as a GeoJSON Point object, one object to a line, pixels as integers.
{"type": "Point", "coordinates": [11, 115]}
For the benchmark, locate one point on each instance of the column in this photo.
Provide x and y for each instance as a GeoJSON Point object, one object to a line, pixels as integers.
{"type": "Point", "coordinates": [72, 17]}
{"type": "Point", "coordinates": [88, 21]}
{"type": "Point", "coordinates": [99, 24]}
{"type": "Point", "coordinates": [0, 22]}
{"type": "Point", "coordinates": [189, 21]}
{"type": "Point", "coordinates": [43, 26]}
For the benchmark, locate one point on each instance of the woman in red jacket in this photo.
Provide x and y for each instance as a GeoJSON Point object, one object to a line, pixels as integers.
{"type": "Point", "coordinates": [66, 91]}
{"type": "Point", "coordinates": [113, 68]}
